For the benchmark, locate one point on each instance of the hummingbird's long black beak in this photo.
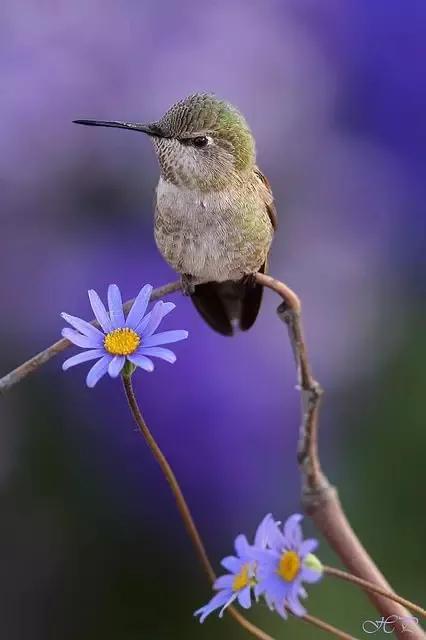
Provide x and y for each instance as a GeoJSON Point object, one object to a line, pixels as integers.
{"type": "Point", "coordinates": [149, 129]}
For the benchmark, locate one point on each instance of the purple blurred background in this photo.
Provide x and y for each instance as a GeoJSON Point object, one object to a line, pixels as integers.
{"type": "Point", "coordinates": [91, 546]}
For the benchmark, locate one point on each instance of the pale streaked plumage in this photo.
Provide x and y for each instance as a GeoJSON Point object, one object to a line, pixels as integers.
{"type": "Point", "coordinates": [214, 218]}
{"type": "Point", "coordinates": [214, 235]}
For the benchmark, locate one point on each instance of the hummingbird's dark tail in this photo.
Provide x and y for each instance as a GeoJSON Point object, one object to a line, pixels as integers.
{"type": "Point", "coordinates": [224, 305]}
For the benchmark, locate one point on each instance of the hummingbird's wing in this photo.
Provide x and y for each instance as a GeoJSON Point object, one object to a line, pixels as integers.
{"type": "Point", "coordinates": [270, 206]}
{"type": "Point", "coordinates": [250, 302]}
{"type": "Point", "coordinates": [252, 294]}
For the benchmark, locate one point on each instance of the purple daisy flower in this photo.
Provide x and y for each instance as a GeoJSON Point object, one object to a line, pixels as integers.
{"type": "Point", "coordinates": [238, 583]}
{"type": "Point", "coordinates": [121, 339]}
{"type": "Point", "coordinates": [285, 564]}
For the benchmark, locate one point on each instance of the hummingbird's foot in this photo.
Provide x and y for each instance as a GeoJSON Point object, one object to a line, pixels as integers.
{"type": "Point", "coordinates": [187, 284]}
{"type": "Point", "coordinates": [249, 280]}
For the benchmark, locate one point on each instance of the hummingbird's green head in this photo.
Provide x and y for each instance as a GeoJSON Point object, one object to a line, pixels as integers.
{"type": "Point", "coordinates": [201, 142]}
{"type": "Point", "coordinates": [206, 143]}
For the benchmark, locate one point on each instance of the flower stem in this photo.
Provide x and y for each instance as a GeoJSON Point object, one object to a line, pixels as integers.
{"type": "Point", "coordinates": [190, 524]}
{"type": "Point", "coordinates": [327, 627]}
{"type": "Point", "coordinates": [369, 586]}
{"type": "Point", "coordinates": [182, 504]}
{"type": "Point", "coordinates": [171, 479]}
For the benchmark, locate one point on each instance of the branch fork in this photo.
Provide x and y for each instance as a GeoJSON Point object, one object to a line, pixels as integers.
{"type": "Point", "coordinates": [319, 498]}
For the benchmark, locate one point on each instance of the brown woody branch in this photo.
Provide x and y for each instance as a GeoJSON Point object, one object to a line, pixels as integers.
{"type": "Point", "coordinates": [320, 500]}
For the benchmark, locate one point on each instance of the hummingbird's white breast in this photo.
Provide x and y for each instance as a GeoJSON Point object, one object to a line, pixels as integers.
{"type": "Point", "coordinates": [213, 236]}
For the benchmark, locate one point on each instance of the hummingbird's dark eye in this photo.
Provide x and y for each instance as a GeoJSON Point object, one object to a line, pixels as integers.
{"type": "Point", "coordinates": [200, 141]}
{"type": "Point", "coordinates": [197, 141]}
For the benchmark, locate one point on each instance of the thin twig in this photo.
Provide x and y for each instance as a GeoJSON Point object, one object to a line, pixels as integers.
{"type": "Point", "coordinates": [182, 504]}
{"type": "Point", "coordinates": [311, 392]}
{"type": "Point", "coordinates": [170, 477]}
{"type": "Point", "coordinates": [320, 499]}
{"type": "Point", "coordinates": [34, 363]}
{"type": "Point", "coordinates": [343, 575]}
{"type": "Point", "coordinates": [317, 622]}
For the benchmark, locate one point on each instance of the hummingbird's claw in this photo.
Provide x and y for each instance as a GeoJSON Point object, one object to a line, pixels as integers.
{"type": "Point", "coordinates": [249, 280]}
{"type": "Point", "coordinates": [187, 284]}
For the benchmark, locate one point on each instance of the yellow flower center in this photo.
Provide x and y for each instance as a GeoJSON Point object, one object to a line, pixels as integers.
{"type": "Point", "coordinates": [121, 342]}
{"type": "Point", "coordinates": [243, 578]}
{"type": "Point", "coordinates": [289, 566]}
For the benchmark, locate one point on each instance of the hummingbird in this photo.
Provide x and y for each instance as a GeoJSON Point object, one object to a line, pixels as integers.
{"type": "Point", "coordinates": [214, 211]}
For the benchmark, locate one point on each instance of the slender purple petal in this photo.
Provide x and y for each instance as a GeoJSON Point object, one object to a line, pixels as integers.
{"type": "Point", "coordinates": [257, 591]}
{"type": "Point", "coordinates": [231, 563]}
{"type": "Point", "coordinates": [82, 326]}
{"type": "Point", "coordinates": [308, 546]}
{"type": "Point", "coordinates": [166, 337]}
{"type": "Point", "coordinates": [242, 546]}
{"type": "Point", "coordinates": [158, 352]}
{"type": "Point", "coordinates": [141, 361]}
{"type": "Point", "coordinates": [217, 601]}
{"type": "Point", "coordinates": [116, 365]}
{"type": "Point", "coordinates": [293, 530]}
{"type": "Point", "coordinates": [294, 603]}
{"type": "Point", "coordinates": [230, 601]}
{"type": "Point", "coordinates": [115, 305]}
{"type": "Point", "coordinates": [302, 592]}
{"type": "Point", "coordinates": [269, 602]}
{"type": "Point", "coordinates": [244, 598]}
{"type": "Point", "coordinates": [261, 538]}
{"type": "Point", "coordinates": [100, 312]}
{"type": "Point", "coordinates": [224, 582]}
{"type": "Point", "coordinates": [280, 608]}
{"type": "Point", "coordinates": [275, 593]}
{"type": "Point", "coordinates": [81, 341]}
{"type": "Point", "coordinates": [167, 307]}
{"type": "Point", "coordinates": [84, 356]}
{"type": "Point", "coordinates": [139, 306]}
{"type": "Point", "coordinates": [153, 322]}
{"type": "Point", "coordinates": [276, 539]}
{"type": "Point", "coordinates": [98, 370]}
